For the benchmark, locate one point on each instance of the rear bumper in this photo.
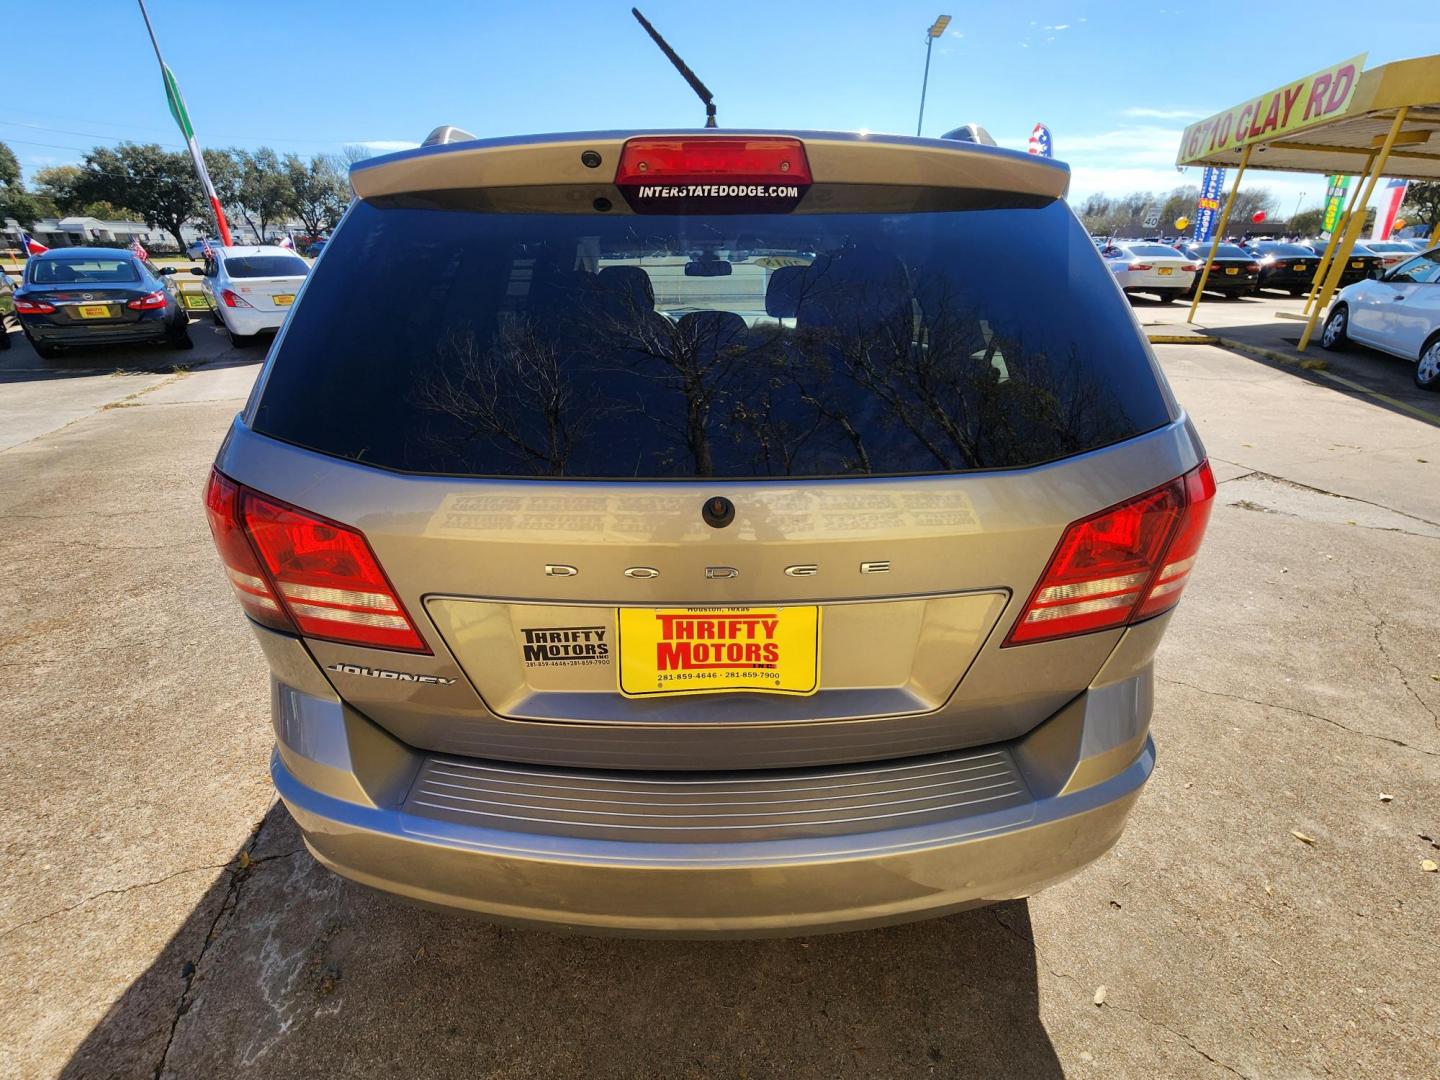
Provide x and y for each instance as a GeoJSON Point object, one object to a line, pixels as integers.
{"type": "Point", "coordinates": [251, 321]}
{"type": "Point", "coordinates": [736, 889]}
{"type": "Point", "coordinates": [148, 329]}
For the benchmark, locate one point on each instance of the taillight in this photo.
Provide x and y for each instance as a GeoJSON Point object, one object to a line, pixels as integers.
{"type": "Point", "coordinates": [222, 506]}
{"type": "Point", "coordinates": [720, 174]}
{"type": "Point", "coordinates": [323, 575]}
{"type": "Point", "coordinates": [149, 302]}
{"type": "Point", "coordinates": [232, 300]}
{"type": "Point", "coordinates": [33, 307]}
{"type": "Point", "coordinates": [1141, 266]}
{"type": "Point", "coordinates": [1254, 268]}
{"type": "Point", "coordinates": [1121, 565]}
{"type": "Point", "coordinates": [1192, 266]}
{"type": "Point", "coordinates": [708, 159]}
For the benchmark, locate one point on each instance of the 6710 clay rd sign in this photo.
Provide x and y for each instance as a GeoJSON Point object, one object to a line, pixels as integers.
{"type": "Point", "coordinates": [1303, 103]}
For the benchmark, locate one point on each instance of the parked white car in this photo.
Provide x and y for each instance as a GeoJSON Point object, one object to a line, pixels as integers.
{"type": "Point", "coordinates": [1398, 313]}
{"type": "Point", "coordinates": [1152, 268]}
{"type": "Point", "coordinates": [251, 289]}
{"type": "Point", "coordinates": [1391, 252]}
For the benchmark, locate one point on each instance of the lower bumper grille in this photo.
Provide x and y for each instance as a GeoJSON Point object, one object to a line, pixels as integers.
{"type": "Point", "coordinates": [717, 808]}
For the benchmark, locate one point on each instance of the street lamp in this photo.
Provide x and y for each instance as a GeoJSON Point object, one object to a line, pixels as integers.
{"type": "Point", "coordinates": [936, 29]}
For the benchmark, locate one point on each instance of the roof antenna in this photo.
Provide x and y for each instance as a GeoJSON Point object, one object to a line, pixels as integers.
{"type": "Point", "coordinates": [695, 84]}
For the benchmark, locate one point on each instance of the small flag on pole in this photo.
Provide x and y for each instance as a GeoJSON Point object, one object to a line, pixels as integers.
{"type": "Point", "coordinates": [289, 241]}
{"type": "Point", "coordinates": [1040, 141]}
{"type": "Point", "coordinates": [138, 249]}
{"type": "Point", "coordinates": [30, 245]}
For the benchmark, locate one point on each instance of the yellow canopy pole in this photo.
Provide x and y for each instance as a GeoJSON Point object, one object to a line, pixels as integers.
{"type": "Point", "coordinates": [1341, 222]}
{"type": "Point", "coordinates": [1353, 228]}
{"type": "Point", "coordinates": [1219, 232]}
{"type": "Point", "coordinates": [1435, 236]}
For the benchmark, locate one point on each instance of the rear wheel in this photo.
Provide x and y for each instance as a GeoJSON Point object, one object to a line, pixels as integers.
{"type": "Point", "coordinates": [1234, 294]}
{"type": "Point", "coordinates": [4, 335]}
{"type": "Point", "coordinates": [1168, 295]}
{"type": "Point", "coordinates": [179, 336]}
{"type": "Point", "coordinates": [1298, 292]}
{"type": "Point", "coordinates": [1334, 335]}
{"type": "Point", "coordinates": [243, 341]}
{"type": "Point", "coordinates": [1427, 370]}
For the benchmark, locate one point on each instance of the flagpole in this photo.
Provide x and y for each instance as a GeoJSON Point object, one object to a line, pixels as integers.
{"type": "Point", "coordinates": [182, 118]}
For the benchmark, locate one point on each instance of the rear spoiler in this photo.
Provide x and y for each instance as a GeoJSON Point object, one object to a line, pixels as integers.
{"type": "Point", "coordinates": [589, 160]}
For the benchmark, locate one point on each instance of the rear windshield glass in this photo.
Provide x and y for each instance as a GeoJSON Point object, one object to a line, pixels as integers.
{"type": "Point", "coordinates": [1224, 251]}
{"type": "Point", "coordinates": [548, 345]}
{"type": "Point", "coordinates": [1151, 249]}
{"type": "Point", "coordinates": [82, 269]}
{"type": "Point", "coordinates": [1285, 249]}
{"type": "Point", "coordinates": [266, 266]}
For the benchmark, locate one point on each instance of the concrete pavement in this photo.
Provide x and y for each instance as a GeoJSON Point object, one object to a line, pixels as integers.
{"type": "Point", "coordinates": [159, 918]}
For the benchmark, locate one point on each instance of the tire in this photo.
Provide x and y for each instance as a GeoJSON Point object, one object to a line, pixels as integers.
{"type": "Point", "coordinates": [1234, 294]}
{"type": "Point", "coordinates": [4, 335]}
{"type": "Point", "coordinates": [1297, 293]}
{"type": "Point", "coordinates": [243, 341]}
{"type": "Point", "coordinates": [45, 352]}
{"type": "Point", "coordinates": [1168, 296]}
{"type": "Point", "coordinates": [1427, 368]}
{"type": "Point", "coordinates": [1334, 336]}
{"type": "Point", "coordinates": [179, 336]}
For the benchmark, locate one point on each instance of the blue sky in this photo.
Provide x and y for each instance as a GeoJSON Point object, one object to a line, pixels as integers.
{"type": "Point", "coordinates": [1116, 82]}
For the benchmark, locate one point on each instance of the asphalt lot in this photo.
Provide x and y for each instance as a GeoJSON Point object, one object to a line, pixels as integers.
{"type": "Point", "coordinates": [158, 916]}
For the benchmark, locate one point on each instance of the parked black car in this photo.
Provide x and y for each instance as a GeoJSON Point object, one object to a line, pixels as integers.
{"type": "Point", "coordinates": [1233, 271]}
{"type": "Point", "coordinates": [1285, 266]}
{"type": "Point", "coordinates": [94, 296]}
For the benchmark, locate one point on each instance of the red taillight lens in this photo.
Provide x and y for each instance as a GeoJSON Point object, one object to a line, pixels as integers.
{"type": "Point", "coordinates": [1141, 266]}
{"type": "Point", "coordinates": [33, 307]}
{"type": "Point", "coordinates": [328, 577]}
{"type": "Point", "coordinates": [320, 578]}
{"type": "Point", "coordinates": [232, 300]}
{"type": "Point", "coordinates": [222, 506]}
{"type": "Point", "coordinates": [149, 302]}
{"type": "Point", "coordinates": [707, 159]}
{"type": "Point", "coordinates": [1192, 266]}
{"type": "Point", "coordinates": [1253, 268]}
{"type": "Point", "coordinates": [1125, 563]}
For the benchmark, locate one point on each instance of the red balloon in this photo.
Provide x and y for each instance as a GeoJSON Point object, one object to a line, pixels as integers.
{"type": "Point", "coordinates": [1258, 216]}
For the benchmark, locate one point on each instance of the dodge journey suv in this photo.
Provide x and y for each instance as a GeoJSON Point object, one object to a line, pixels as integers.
{"type": "Point", "coordinates": [707, 536]}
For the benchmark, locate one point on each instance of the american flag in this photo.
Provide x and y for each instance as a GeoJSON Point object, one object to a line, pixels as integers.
{"type": "Point", "coordinates": [138, 249]}
{"type": "Point", "coordinates": [30, 245]}
{"type": "Point", "coordinates": [288, 242]}
{"type": "Point", "coordinates": [206, 251]}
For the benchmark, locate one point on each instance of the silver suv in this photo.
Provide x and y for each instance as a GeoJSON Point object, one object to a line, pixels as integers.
{"type": "Point", "coordinates": [710, 534]}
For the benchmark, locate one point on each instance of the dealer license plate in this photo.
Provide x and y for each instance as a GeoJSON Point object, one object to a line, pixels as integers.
{"type": "Point", "coordinates": [1232, 269]}
{"type": "Point", "coordinates": [707, 650]}
{"type": "Point", "coordinates": [93, 311]}
{"type": "Point", "coordinates": [1357, 266]}
{"type": "Point", "coordinates": [1298, 266]}
{"type": "Point", "coordinates": [1165, 271]}
{"type": "Point", "coordinates": [284, 299]}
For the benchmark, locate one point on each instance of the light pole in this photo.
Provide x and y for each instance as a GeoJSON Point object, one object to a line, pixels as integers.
{"type": "Point", "coordinates": [936, 29]}
{"type": "Point", "coordinates": [1297, 205]}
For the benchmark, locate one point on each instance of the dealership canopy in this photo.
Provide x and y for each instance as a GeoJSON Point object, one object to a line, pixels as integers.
{"type": "Point", "coordinates": [1295, 129]}
{"type": "Point", "coordinates": [1340, 120]}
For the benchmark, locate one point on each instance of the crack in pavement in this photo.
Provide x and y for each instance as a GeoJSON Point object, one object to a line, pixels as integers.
{"type": "Point", "coordinates": [1263, 475]}
{"type": "Point", "coordinates": [107, 892]}
{"type": "Point", "coordinates": [1182, 1036]}
{"type": "Point", "coordinates": [239, 874]}
{"type": "Point", "coordinates": [1298, 712]}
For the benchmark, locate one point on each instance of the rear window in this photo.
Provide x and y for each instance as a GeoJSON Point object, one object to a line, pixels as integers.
{"type": "Point", "coordinates": [238, 266]}
{"type": "Point", "coordinates": [81, 269]}
{"type": "Point", "coordinates": [1286, 249]}
{"type": "Point", "coordinates": [1224, 251]}
{"type": "Point", "coordinates": [626, 347]}
{"type": "Point", "coordinates": [1152, 250]}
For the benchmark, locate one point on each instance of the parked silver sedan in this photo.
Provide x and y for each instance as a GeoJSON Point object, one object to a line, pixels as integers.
{"type": "Point", "coordinates": [251, 289]}
{"type": "Point", "coordinates": [1398, 313]}
{"type": "Point", "coordinates": [1157, 269]}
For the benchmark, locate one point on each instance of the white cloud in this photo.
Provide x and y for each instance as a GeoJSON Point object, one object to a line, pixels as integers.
{"type": "Point", "coordinates": [1060, 26]}
{"type": "Point", "coordinates": [956, 34]}
{"type": "Point", "coordinates": [1143, 113]}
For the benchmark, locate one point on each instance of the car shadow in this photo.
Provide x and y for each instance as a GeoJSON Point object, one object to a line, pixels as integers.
{"type": "Point", "coordinates": [20, 363]}
{"type": "Point", "coordinates": [283, 969]}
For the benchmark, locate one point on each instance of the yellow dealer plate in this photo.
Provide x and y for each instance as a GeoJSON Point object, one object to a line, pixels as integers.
{"type": "Point", "coordinates": [93, 311]}
{"type": "Point", "coordinates": [284, 299]}
{"type": "Point", "coordinates": [1165, 271]}
{"type": "Point", "coordinates": [708, 650]}
{"type": "Point", "coordinates": [1232, 270]}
